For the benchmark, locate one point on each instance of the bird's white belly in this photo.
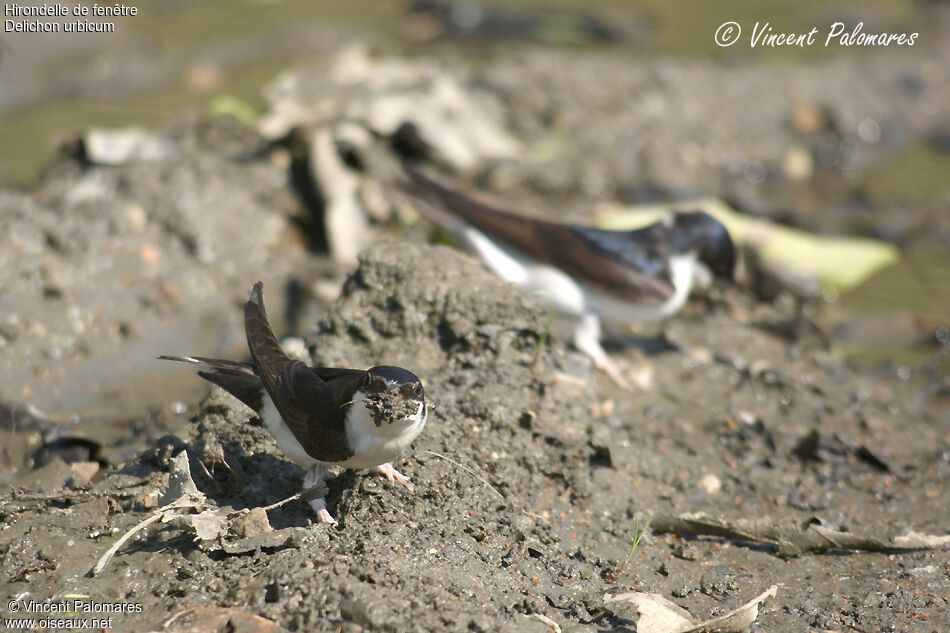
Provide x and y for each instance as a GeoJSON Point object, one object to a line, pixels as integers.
{"type": "Point", "coordinates": [554, 286]}
{"type": "Point", "coordinates": [567, 295]}
{"type": "Point", "coordinates": [374, 445]}
{"type": "Point", "coordinates": [371, 445]}
{"type": "Point", "coordinates": [283, 435]}
{"type": "Point", "coordinates": [682, 273]}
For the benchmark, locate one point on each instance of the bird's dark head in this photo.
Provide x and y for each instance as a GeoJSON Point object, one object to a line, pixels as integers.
{"type": "Point", "coordinates": [706, 236]}
{"type": "Point", "coordinates": [389, 378]}
{"type": "Point", "coordinates": [393, 394]}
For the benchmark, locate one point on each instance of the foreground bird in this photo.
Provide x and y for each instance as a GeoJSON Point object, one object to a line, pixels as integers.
{"type": "Point", "coordinates": [588, 274]}
{"type": "Point", "coordinates": [321, 416]}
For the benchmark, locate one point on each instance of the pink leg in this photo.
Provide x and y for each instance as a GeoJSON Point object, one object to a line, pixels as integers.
{"type": "Point", "coordinates": [394, 475]}
{"type": "Point", "coordinates": [613, 372]}
{"type": "Point", "coordinates": [320, 507]}
{"type": "Point", "coordinates": [314, 484]}
{"type": "Point", "coordinates": [587, 340]}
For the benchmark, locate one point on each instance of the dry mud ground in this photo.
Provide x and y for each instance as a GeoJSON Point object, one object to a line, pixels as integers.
{"type": "Point", "coordinates": [527, 485]}
{"type": "Point", "coordinates": [531, 477]}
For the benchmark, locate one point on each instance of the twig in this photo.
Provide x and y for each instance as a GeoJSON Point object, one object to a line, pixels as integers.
{"type": "Point", "coordinates": [168, 622]}
{"type": "Point", "coordinates": [791, 540]}
{"type": "Point", "coordinates": [101, 565]}
{"type": "Point", "coordinates": [280, 503]}
{"type": "Point", "coordinates": [543, 618]}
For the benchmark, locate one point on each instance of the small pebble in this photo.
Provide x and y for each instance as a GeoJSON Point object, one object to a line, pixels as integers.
{"type": "Point", "coordinates": [711, 484]}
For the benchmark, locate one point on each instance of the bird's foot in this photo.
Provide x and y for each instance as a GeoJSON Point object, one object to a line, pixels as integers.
{"type": "Point", "coordinates": [394, 475]}
{"type": "Point", "coordinates": [315, 492]}
{"type": "Point", "coordinates": [603, 362]}
{"type": "Point", "coordinates": [587, 340]}
{"type": "Point", "coordinates": [613, 372]}
{"type": "Point", "coordinates": [320, 507]}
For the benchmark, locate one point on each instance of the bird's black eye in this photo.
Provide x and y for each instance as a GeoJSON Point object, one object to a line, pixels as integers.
{"type": "Point", "coordinates": [375, 384]}
{"type": "Point", "coordinates": [411, 390]}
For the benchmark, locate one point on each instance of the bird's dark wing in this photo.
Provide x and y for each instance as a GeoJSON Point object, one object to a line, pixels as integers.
{"type": "Point", "coordinates": [244, 386]}
{"type": "Point", "coordinates": [333, 374]}
{"type": "Point", "coordinates": [217, 363]}
{"type": "Point", "coordinates": [235, 377]}
{"type": "Point", "coordinates": [269, 357]}
{"type": "Point", "coordinates": [311, 409]}
{"type": "Point", "coordinates": [619, 263]}
{"type": "Point", "coordinates": [307, 404]}
{"type": "Point", "coordinates": [641, 259]}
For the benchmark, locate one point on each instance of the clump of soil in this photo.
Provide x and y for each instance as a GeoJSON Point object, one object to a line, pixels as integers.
{"type": "Point", "coordinates": [390, 405]}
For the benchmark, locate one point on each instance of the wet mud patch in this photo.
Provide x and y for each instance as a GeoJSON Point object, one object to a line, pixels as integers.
{"type": "Point", "coordinates": [108, 265]}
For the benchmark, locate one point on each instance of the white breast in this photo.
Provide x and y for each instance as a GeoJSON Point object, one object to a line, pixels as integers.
{"type": "Point", "coordinates": [283, 435]}
{"type": "Point", "coordinates": [374, 445]}
{"type": "Point", "coordinates": [682, 274]}
{"type": "Point", "coordinates": [568, 296]}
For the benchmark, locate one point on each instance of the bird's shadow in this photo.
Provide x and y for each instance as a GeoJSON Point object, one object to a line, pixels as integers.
{"type": "Point", "coordinates": [260, 480]}
{"type": "Point", "coordinates": [247, 481]}
{"type": "Point", "coordinates": [649, 345]}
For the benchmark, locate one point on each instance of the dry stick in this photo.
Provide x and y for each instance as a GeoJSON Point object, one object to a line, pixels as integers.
{"type": "Point", "coordinates": [167, 622]}
{"type": "Point", "coordinates": [122, 541]}
{"type": "Point", "coordinates": [543, 618]}
{"type": "Point", "coordinates": [791, 540]}
{"type": "Point", "coordinates": [280, 503]}
{"type": "Point", "coordinates": [101, 565]}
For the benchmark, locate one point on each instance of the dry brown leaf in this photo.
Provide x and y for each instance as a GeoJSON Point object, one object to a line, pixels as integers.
{"type": "Point", "coordinates": [659, 615]}
{"type": "Point", "coordinates": [220, 619]}
{"type": "Point", "coordinates": [916, 540]}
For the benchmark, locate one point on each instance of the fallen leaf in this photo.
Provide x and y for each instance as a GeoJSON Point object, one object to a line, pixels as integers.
{"type": "Point", "coordinates": [839, 263]}
{"type": "Point", "coordinates": [917, 540]}
{"type": "Point", "coordinates": [181, 491]}
{"type": "Point", "coordinates": [659, 615]}
{"type": "Point", "coordinates": [207, 525]}
{"type": "Point", "coordinates": [738, 620]}
{"type": "Point", "coordinates": [220, 619]}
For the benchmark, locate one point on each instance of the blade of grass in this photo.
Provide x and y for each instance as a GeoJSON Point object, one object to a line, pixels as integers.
{"type": "Point", "coordinates": [546, 332]}
{"type": "Point", "coordinates": [638, 535]}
